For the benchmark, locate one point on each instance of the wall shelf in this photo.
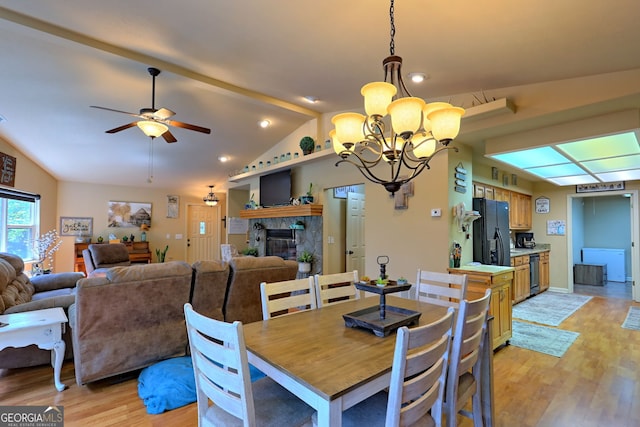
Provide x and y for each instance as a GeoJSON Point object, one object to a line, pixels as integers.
{"type": "Point", "coordinates": [282, 211]}
{"type": "Point", "coordinates": [318, 155]}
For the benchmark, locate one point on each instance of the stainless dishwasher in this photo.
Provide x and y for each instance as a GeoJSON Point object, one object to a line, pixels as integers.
{"type": "Point", "coordinates": [534, 272]}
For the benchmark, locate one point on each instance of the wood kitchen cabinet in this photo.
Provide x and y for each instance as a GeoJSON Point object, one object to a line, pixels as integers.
{"type": "Point", "coordinates": [544, 271]}
{"type": "Point", "coordinates": [520, 204]}
{"type": "Point", "coordinates": [500, 280]}
{"type": "Point", "coordinates": [522, 278]}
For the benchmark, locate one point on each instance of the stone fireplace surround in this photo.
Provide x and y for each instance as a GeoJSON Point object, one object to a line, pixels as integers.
{"type": "Point", "coordinates": [307, 239]}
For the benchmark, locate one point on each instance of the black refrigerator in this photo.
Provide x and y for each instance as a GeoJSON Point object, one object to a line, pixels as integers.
{"type": "Point", "coordinates": [491, 232]}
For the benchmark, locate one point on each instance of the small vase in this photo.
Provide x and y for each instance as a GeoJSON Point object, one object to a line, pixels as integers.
{"type": "Point", "coordinates": [304, 267]}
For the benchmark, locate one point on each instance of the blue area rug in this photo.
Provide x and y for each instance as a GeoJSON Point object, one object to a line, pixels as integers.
{"type": "Point", "coordinates": [542, 339]}
{"type": "Point", "coordinates": [549, 308]}
{"type": "Point", "coordinates": [633, 319]}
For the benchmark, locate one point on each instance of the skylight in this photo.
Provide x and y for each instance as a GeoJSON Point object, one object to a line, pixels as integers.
{"type": "Point", "coordinates": [603, 159]}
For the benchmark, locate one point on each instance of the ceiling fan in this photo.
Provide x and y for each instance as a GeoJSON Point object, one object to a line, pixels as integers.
{"type": "Point", "coordinates": [154, 122]}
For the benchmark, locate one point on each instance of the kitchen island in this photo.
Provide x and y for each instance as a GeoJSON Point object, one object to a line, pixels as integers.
{"type": "Point", "coordinates": [500, 280]}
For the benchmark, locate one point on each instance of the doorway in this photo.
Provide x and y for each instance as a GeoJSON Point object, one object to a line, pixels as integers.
{"type": "Point", "coordinates": [203, 235]}
{"type": "Point", "coordinates": [576, 240]}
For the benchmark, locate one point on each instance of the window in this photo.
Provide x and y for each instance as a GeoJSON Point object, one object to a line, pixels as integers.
{"type": "Point", "coordinates": [20, 221]}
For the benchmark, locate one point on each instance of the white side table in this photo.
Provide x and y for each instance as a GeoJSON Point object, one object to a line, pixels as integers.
{"type": "Point", "coordinates": [41, 327]}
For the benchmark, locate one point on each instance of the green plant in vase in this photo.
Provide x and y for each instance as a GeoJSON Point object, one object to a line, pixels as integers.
{"type": "Point", "coordinates": [307, 144]}
{"type": "Point", "coordinates": [308, 198]}
{"type": "Point", "coordinates": [161, 254]}
{"type": "Point", "coordinates": [304, 262]}
{"type": "Point", "coordinates": [250, 251]}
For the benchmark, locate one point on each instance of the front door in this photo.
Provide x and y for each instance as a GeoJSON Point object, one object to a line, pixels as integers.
{"type": "Point", "coordinates": [203, 239]}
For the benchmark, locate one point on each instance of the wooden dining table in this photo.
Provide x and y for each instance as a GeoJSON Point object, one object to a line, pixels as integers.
{"type": "Point", "coordinates": [333, 367]}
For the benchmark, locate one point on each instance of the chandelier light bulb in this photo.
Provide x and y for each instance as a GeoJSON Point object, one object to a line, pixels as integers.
{"type": "Point", "coordinates": [377, 97]}
{"type": "Point", "coordinates": [406, 114]}
{"type": "Point", "coordinates": [445, 123]}
{"type": "Point", "coordinates": [349, 127]}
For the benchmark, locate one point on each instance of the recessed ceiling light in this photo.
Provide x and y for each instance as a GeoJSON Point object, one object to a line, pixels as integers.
{"type": "Point", "coordinates": [264, 123]}
{"type": "Point", "coordinates": [223, 159]}
{"type": "Point", "coordinates": [311, 99]}
{"type": "Point", "coordinates": [418, 77]}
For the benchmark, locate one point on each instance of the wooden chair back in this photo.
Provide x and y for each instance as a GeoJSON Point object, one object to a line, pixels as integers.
{"type": "Point", "coordinates": [220, 366]}
{"type": "Point", "coordinates": [279, 298]}
{"type": "Point", "coordinates": [463, 380]}
{"type": "Point", "coordinates": [441, 288]}
{"type": "Point", "coordinates": [336, 287]}
{"type": "Point", "coordinates": [419, 373]}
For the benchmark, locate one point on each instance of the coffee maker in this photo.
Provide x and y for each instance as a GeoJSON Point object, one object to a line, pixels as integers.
{"type": "Point", "coordinates": [525, 240]}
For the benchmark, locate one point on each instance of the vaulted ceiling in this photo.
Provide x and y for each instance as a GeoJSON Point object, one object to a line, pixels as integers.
{"type": "Point", "coordinates": [228, 64]}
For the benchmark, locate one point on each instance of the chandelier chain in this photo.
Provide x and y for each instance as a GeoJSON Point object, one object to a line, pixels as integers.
{"type": "Point", "coordinates": [392, 44]}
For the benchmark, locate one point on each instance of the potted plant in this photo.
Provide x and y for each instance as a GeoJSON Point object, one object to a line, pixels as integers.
{"type": "Point", "coordinates": [306, 144]}
{"type": "Point", "coordinates": [250, 251]}
{"type": "Point", "coordinates": [304, 262]}
{"type": "Point", "coordinates": [308, 198]}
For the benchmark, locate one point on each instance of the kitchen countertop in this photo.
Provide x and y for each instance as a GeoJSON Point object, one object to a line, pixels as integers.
{"type": "Point", "coordinates": [541, 247]}
{"type": "Point", "coordinates": [481, 268]}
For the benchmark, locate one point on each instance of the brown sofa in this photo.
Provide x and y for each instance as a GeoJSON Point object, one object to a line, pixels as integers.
{"type": "Point", "coordinates": [19, 293]}
{"type": "Point", "coordinates": [129, 319]}
{"type": "Point", "coordinates": [210, 281]}
{"type": "Point", "coordinates": [242, 300]}
{"type": "Point", "coordinates": [105, 256]}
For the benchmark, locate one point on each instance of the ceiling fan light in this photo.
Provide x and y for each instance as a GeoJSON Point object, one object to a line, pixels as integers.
{"type": "Point", "coordinates": [349, 127]}
{"type": "Point", "coordinates": [406, 114]}
{"type": "Point", "coordinates": [377, 97]}
{"type": "Point", "coordinates": [445, 123]}
{"type": "Point", "coordinates": [151, 128]}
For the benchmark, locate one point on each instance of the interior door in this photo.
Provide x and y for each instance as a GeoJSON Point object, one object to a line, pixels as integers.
{"type": "Point", "coordinates": [203, 235]}
{"type": "Point", "coordinates": [355, 247]}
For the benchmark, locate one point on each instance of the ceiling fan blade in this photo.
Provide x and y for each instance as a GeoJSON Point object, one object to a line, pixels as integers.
{"type": "Point", "coordinates": [188, 126]}
{"type": "Point", "coordinates": [168, 136]}
{"type": "Point", "coordinates": [123, 127]}
{"type": "Point", "coordinates": [115, 111]}
{"type": "Point", "coordinates": [163, 113]}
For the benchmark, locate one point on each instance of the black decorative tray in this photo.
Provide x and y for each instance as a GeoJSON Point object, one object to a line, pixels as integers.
{"type": "Point", "coordinates": [390, 287]}
{"type": "Point", "coordinates": [370, 318]}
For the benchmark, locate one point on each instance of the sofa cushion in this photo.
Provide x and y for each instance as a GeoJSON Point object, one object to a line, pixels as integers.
{"type": "Point", "coordinates": [14, 290]}
{"type": "Point", "coordinates": [15, 261]}
{"type": "Point", "coordinates": [140, 272]}
{"type": "Point", "coordinates": [109, 254]}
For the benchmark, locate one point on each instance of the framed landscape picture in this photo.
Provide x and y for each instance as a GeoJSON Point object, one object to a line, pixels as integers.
{"type": "Point", "coordinates": [129, 214]}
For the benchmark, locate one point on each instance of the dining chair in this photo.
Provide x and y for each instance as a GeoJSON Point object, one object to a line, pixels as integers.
{"type": "Point", "coordinates": [463, 378]}
{"type": "Point", "coordinates": [418, 376]}
{"type": "Point", "coordinates": [222, 377]}
{"type": "Point", "coordinates": [331, 288]}
{"type": "Point", "coordinates": [441, 288]}
{"type": "Point", "coordinates": [279, 298]}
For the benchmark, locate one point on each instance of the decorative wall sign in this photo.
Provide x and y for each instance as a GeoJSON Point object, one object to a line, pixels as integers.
{"type": "Point", "coordinates": [542, 205]}
{"type": "Point", "coordinates": [505, 180]}
{"type": "Point", "coordinates": [514, 179]}
{"type": "Point", "coordinates": [494, 173]}
{"type": "Point", "coordinates": [556, 227]}
{"type": "Point", "coordinates": [129, 214]}
{"type": "Point", "coordinates": [173, 206]}
{"type": "Point", "coordinates": [604, 186]}
{"type": "Point", "coordinates": [460, 175]}
{"type": "Point", "coordinates": [74, 226]}
{"type": "Point", "coordinates": [7, 170]}
{"type": "Point", "coordinates": [401, 198]}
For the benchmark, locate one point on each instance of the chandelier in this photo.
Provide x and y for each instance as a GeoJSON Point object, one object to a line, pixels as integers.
{"type": "Point", "coordinates": [418, 130]}
{"type": "Point", "coordinates": [210, 199]}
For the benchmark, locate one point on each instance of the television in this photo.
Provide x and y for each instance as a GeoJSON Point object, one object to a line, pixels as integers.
{"type": "Point", "coordinates": [275, 189]}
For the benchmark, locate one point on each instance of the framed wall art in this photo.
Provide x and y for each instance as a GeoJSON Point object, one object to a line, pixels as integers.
{"type": "Point", "coordinates": [76, 226]}
{"type": "Point", "coordinates": [173, 206]}
{"type": "Point", "coordinates": [129, 214]}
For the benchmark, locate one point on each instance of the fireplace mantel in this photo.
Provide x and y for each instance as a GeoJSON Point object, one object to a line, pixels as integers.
{"type": "Point", "coordinates": [282, 211]}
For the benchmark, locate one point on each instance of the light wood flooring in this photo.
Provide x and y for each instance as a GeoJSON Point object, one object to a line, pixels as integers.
{"type": "Point", "coordinates": [596, 383]}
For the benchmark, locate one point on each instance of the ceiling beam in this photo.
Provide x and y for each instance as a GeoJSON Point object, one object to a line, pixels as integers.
{"type": "Point", "coordinates": [85, 40]}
